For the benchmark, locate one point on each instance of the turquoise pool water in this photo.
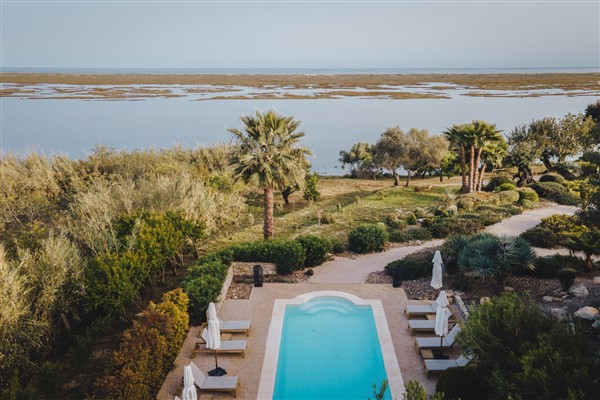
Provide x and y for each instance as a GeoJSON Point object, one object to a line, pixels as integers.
{"type": "Point", "coordinates": [329, 350]}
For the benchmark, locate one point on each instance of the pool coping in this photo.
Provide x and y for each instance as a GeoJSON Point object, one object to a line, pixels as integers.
{"type": "Point", "coordinates": [266, 386]}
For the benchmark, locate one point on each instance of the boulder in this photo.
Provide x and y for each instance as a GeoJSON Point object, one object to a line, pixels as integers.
{"type": "Point", "coordinates": [547, 299]}
{"type": "Point", "coordinates": [589, 313]}
{"type": "Point", "coordinates": [484, 300]}
{"type": "Point", "coordinates": [579, 291]}
{"type": "Point", "coordinates": [508, 289]}
{"type": "Point", "coordinates": [558, 313]}
{"type": "Point", "coordinates": [597, 280]}
{"type": "Point", "coordinates": [596, 325]}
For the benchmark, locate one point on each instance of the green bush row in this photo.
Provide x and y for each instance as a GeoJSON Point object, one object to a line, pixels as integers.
{"type": "Point", "coordinates": [288, 255]}
{"type": "Point", "coordinates": [414, 266]}
{"type": "Point", "coordinates": [147, 350]}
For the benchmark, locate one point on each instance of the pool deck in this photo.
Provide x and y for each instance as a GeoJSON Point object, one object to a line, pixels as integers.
{"type": "Point", "coordinates": [259, 309]}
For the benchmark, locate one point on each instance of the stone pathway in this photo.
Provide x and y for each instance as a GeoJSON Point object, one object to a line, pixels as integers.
{"type": "Point", "coordinates": [356, 270]}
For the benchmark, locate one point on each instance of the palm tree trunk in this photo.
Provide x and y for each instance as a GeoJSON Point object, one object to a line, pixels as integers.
{"type": "Point", "coordinates": [477, 172]}
{"type": "Point", "coordinates": [268, 226]}
{"type": "Point", "coordinates": [480, 180]}
{"type": "Point", "coordinates": [463, 168]}
{"type": "Point", "coordinates": [472, 170]}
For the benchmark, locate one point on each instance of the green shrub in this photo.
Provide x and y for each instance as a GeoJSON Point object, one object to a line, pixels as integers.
{"type": "Point", "coordinates": [310, 189]}
{"type": "Point", "coordinates": [541, 237]}
{"type": "Point", "coordinates": [408, 235]}
{"type": "Point", "coordinates": [497, 180]}
{"type": "Point", "coordinates": [414, 391]}
{"type": "Point", "coordinates": [466, 203]}
{"type": "Point", "coordinates": [394, 222]}
{"type": "Point", "coordinates": [552, 178]}
{"type": "Point", "coordinates": [556, 192]}
{"type": "Point", "coordinates": [419, 212]}
{"type": "Point", "coordinates": [288, 256]}
{"type": "Point", "coordinates": [411, 218]}
{"type": "Point", "coordinates": [460, 383]}
{"type": "Point", "coordinates": [566, 277]}
{"type": "Point", "coordinates": [439, 212]}
{"type": "Point", "coordinates": [508, 197]}
{"type": "Point", "coordinates": [337, 245]}
{"type": "Point", "coordinates": [418, 234]}
{"type": "Point", "coordinates": [527, 194]}
{"type": "Point", "coordinates": [414, 266]}
{"type": "Point", "coordinates": [366, 238]}
{"type": "Point", "coordinates": [548, 267]}
{"type": "Point", "coordinates": [442, 227]}
{"type": "Point", "coordinates": [484, 217]}
{"type": "Point", "coordinates": [523, 354]}
{"type": "Point", "coordinates": [505, 186]}
{"type": "Point", "coordinates": [148, 349]}
{"type": "Point", "coordinates": [315, 249]}
{"type": "Point", "coordinates": [309, 272]}
{"type": "Point", "coordinates": [201, 291]}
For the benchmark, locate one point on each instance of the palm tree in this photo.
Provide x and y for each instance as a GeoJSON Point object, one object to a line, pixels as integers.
{"type": "Point", "coordinates": [487, 140]}
{"type": "Point", "coordinates": [461, 139]}
{"type": "Point", "coordinates": [267, 153]}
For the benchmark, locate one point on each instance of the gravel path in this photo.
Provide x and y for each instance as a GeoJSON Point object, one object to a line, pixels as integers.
{"type": "Point", "coordinates": [356, 270]}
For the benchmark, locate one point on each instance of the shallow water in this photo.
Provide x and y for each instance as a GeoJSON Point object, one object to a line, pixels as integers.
{"type": "Point", "coordinates": [75, 126]}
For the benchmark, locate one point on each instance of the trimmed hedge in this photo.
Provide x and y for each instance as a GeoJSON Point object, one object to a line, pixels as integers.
{"type": "Point", "coordinates": [527, 194]}
{"type": "Point", "coordinates": [288, 256]}
{"type": "Point", "coordinates": [508, 197]}
{"type": "Point", "coordinates": [366, 238]}
{"type": "Point", "coordinates": [552, 178]}
{"type": "Point", "coordinates": [505, 186]}
{"type": "Point", "coordinates": [556, 192]}
{"type": "Point", "coordinates": [315, 249]}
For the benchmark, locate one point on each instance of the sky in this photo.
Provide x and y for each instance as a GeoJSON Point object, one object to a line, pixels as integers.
{"type": "Point", "coordinates": [271, 34]}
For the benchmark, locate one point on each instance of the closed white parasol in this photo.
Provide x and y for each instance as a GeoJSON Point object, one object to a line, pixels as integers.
{"type": "Point", "coordinates": [189, 390]}
{"type": "Point", "coordinates": [436, 276]}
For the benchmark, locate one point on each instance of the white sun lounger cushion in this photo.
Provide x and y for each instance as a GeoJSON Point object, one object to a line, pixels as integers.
{"type": "Point", "coordinates": [234, 325]}
{"type": "Point", "coordinates": [213, 382]}
{"type": "Point", "coordinates": [432, 342]}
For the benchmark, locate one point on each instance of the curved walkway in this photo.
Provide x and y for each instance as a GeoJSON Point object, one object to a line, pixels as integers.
{"type": "Point", "coordinates": [356, 270]}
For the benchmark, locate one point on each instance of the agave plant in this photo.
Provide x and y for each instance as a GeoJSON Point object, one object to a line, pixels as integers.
{"type": "Point", "coordinates": [494, 259]}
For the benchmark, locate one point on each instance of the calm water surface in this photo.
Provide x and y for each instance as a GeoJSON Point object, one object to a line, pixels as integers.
{"type": "Point", "coordinates": [74, 127]}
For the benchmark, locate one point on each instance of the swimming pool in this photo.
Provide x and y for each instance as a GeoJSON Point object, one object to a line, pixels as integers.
{"type": "Point", "coordinates": [326, 345]}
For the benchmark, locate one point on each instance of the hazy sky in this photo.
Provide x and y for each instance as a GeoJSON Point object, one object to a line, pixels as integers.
{"type": "Point", "coordinates": [369, 34]}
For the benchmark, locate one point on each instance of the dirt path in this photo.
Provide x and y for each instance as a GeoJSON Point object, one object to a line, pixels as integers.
{"type": "Point", "coordinates": [356, 270]}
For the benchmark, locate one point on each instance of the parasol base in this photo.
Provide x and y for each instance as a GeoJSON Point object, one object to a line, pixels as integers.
{"type": "Point", "coordinates": [217, 372]}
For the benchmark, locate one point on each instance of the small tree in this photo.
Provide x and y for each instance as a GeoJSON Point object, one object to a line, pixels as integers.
{"type": "Point", "coordinates": [310, 189]}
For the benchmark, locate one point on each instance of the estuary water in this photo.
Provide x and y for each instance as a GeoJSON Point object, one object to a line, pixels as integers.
{"type": "Point", "coordinates": [74, 127]}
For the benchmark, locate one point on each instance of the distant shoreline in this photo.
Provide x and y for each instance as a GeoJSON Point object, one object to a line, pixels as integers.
{"type": "Point", "coordinates": [484, 81]}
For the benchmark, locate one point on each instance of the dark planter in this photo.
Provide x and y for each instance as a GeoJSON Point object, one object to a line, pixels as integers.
{"type": "Point", "coordinates": [258, 276]}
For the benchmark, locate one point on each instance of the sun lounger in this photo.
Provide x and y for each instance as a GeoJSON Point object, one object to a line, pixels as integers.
{"type": "Point", "coordinates": [437, 366]}
{"type": "Point", "coordinates": [433, 342]}
{"type": "Point", "coordinates": [242, 326]}
{"type": "Point", "coordinates": [215, 383]}
{"type": "Point", "coordinates": [420, 309]}
{"type": "Point", "coordinates": [227, 347]}
{"type": "Point", "coordinates": [421, 325]}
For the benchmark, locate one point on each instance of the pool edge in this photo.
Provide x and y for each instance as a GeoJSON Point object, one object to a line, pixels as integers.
{"type": "Point", "coordinates": [266, 385]}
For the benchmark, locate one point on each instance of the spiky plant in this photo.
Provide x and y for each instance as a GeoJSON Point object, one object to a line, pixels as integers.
{"type": "Point", "coordinates": [494, 259]}
{"type": "Point", "coordinates": [268, 153]}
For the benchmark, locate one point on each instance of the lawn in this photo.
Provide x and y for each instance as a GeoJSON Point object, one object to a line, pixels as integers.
{"type": "Point", "coordinates": [348, 202]}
